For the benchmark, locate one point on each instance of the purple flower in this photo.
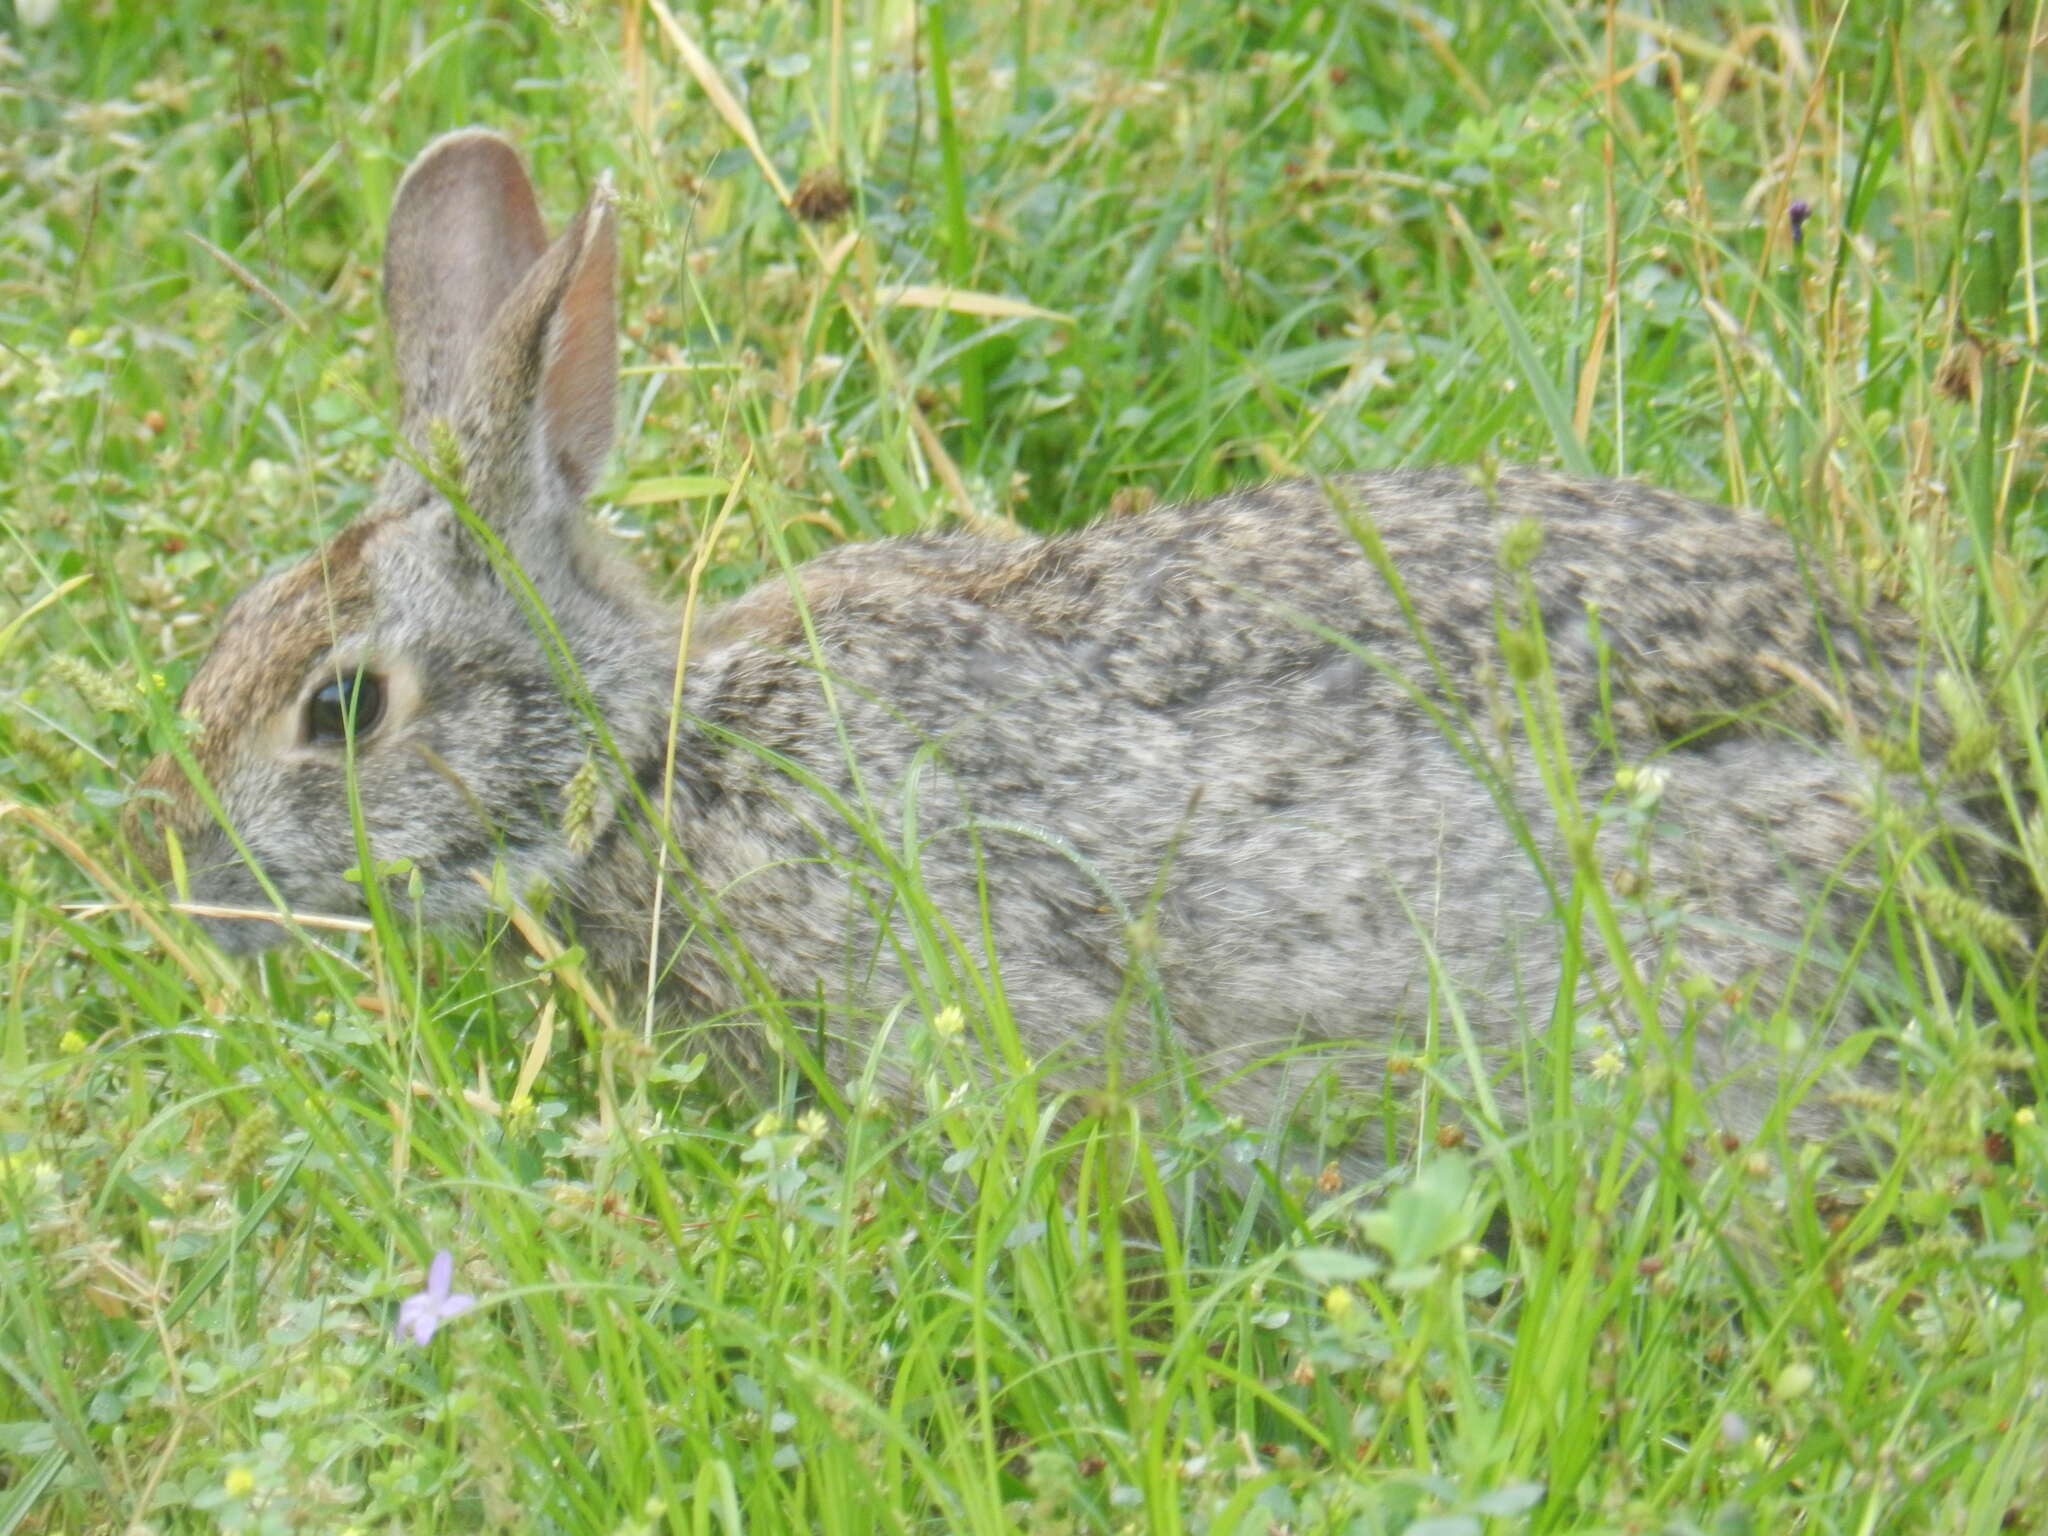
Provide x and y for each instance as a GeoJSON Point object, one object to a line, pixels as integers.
{"type": "Point", "coordinates": [420, 1315]}
{"type": "Point", "coordinates": [1800, 211]}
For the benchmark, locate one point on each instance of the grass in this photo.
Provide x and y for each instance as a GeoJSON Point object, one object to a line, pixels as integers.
{"type": "Point", "coordinates": [1268, 238]}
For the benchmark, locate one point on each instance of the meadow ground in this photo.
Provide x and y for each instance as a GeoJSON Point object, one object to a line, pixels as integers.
{"type": "Point", "coordinates": [1056, 258]}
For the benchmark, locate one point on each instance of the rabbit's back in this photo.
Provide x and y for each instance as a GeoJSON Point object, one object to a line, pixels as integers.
{"type": "Point", "coordinates": [1704, 614]}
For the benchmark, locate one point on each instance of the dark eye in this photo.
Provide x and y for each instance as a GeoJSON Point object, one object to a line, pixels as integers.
{"type": "Point", "coordinates": [328, 710]}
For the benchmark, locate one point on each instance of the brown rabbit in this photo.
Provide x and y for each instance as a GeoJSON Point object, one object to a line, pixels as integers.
{"type": "Point", "coordinates": [1247, 777]}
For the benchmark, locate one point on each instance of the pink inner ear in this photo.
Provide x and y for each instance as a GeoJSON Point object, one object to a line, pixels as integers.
{"type": "Point", "coordinates": [580, 386]}
{"type": "Point", "coordinates": [465, 229]}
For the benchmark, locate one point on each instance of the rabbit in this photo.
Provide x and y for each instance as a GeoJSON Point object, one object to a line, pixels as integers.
{"type": "Point", "coordinates": [1242, 784]}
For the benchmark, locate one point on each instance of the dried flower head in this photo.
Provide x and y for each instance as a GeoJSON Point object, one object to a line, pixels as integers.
{"type": "Point", "coordinates": [821, 197]}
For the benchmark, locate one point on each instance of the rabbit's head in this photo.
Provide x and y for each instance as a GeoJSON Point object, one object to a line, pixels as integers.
{"type": "Point", "coordinates": [450, 661]}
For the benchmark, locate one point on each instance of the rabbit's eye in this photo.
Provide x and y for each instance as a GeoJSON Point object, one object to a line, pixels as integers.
{"type": "Point", "coordinates": [328, 710]}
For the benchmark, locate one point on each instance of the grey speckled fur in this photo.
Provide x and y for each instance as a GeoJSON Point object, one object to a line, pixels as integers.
{"type": "Point", "coordinates": [1217, 717]}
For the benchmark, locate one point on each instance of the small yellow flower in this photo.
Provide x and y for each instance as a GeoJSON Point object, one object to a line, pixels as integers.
{"type": "Point", "coordinates": [72, 1043]}
{"type": "Point", "coordinates": [814, 1124]}
{"type": "Point", "coordinates": [239, 1483]}
{"type": "Point", "coordinates": [1795, 1380]}
{"type": "Point", "coordinates": [1608, 1065]}
{"type": "Point", "coordinates": [767, 1125]}
{"type": "Point", "coordinates": [2023, 1116]}
{"type": "Point", "coordinates": [949, 1023]}
{"type": "Point", "coordinates": [31, 1170]}
{"type": "Point", "coordinates": [1646, 786]}
{"type": "Point", "coordinates": [1338, 1302]}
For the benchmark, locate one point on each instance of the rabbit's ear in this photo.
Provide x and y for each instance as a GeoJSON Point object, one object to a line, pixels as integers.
{"type": "Point", "coordinates": [465, 230]}
{"type": "Point", "coordinates": [543, 387]}
{"type": "Point", "coordinates": [580, 377]}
